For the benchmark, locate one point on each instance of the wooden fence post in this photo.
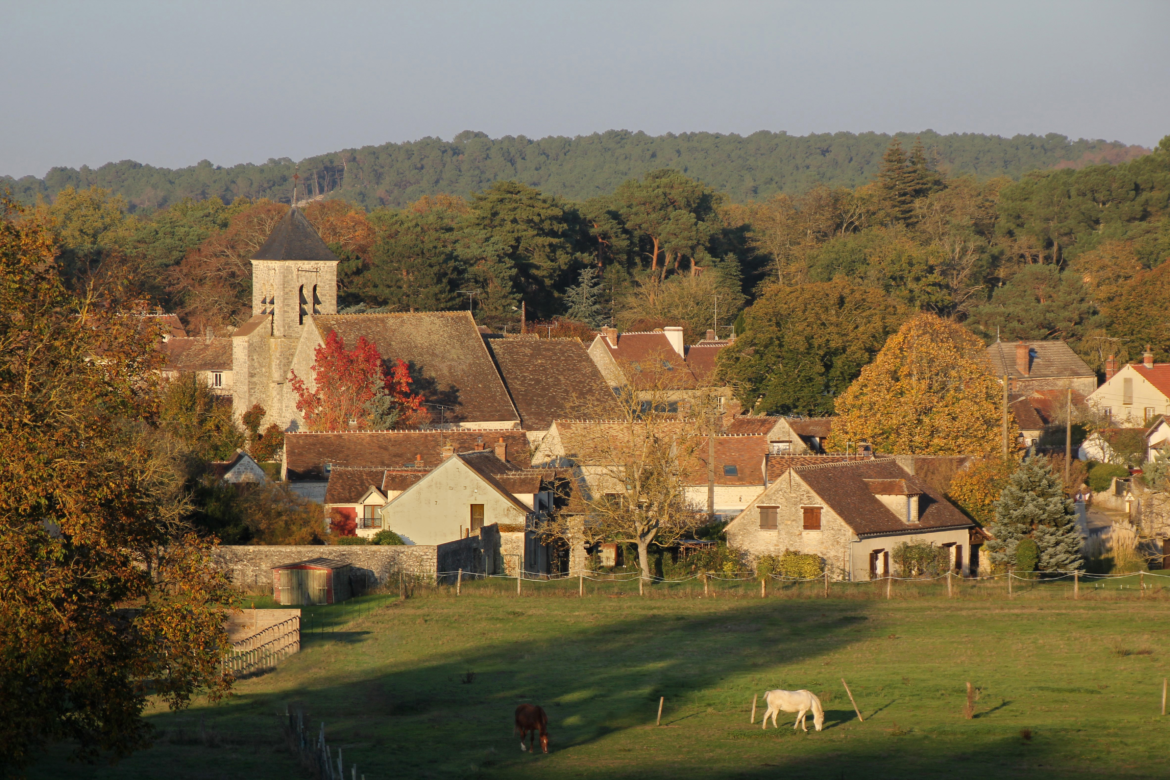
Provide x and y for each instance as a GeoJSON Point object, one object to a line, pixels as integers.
{"type": "Point", "coordinates": [852, 701]}
{"type": "Point", "coordinates": [459, 583]}
{"type": "Point", "coordinates": [826, 582]}
{"type": "Point", "coordinates": [1076, 585]}
{"type": "Point", "coordinates": [660, 700]}
{"type": "Point", "coordinates": [1142, 577]}
{"type": "Point", "coordinates": [1009, 576]}
{"type": "Point", "coordinates": [581, 583]}
{"type": "Point", "coordinates": [640, 592]}
{"type": "Point", "coordinates": [753, 720]}
{"type": "Point", "coordinates": [705, 590]}
{"type": "Point", "coordinates": [763, 588]}
{"type": "Point", "coordinates": [519, 572]}
{"type": "Point", "coordinates": [950, 592]}
{"type": "Point", "coordinates": [889, 585]}
{"type": "Point", "coordinates": [1163, 695]}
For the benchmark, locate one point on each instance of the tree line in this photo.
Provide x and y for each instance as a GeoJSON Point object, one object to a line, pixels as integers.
{"type": "Point", "coordinates": [813, 285]}
{"type": "Point", "coordinates": [751, 167]}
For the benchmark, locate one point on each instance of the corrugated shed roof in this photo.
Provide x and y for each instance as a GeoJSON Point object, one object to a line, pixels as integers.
{"type": "Point", "coordinates": [1049, 359]}
{"type": "Point", "coordinates": [306, 453]}
{"type": "Point", "coordinates": [294, 238]}
{"type": "Point", "coordinates": [198, 354]}
{"type": "Point", "coordinates": [449, 361]}
{"type": "Point", "coordinates": [550, 379]}
{"type": "Point", "coordinates": [314, 563]}
{"type": "Point", "coordinates": [843, 487]}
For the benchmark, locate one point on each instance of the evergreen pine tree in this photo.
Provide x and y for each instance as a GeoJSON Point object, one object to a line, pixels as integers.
{"type": "Point", "coordinates": [1033, 505]}
{"type": "Point", "coordinates": [896, 181]}
{"type": "Point", "coordinates": [922, 178]}
{"type": "Point", "coordinates": [583, 300]}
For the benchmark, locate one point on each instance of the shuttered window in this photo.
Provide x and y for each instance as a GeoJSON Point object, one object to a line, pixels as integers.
{"type": "Point", "coordinates": [768, 518]}
{"type": "Point", "coordinates": [812, 518]}
{"type": "Point", "coordinates": [1127, 391]}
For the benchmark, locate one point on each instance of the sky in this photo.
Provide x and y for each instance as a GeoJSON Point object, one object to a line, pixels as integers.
{"type": "Point", "coordinates": [173, 83]}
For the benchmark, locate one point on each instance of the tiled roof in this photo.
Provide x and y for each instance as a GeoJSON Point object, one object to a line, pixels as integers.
{"type": "Point", "coordinates": [347, 486]}
{"type": "Point", "coordinates": [1038, 409]}
{"type": "Point", "coordinates": [746, 453]}
{"type": "Point", "coordinates": [492, 470]}
{"type": "Point", "coordinates": [551, 378]}
{"type": "Point", "coordinates": [892, 487]}
{"type": "Point", "coordinates": [647, 359]}
{"type": "Point", "coordinates": [752, 425]}
{"type": "Point", "coordinates": [294, 238]}
{"type": "Point", "coordinates": [597, 442]}
{"type": "Point", "coordinates": [778, 464]}
{"type": "Point", "coordinates": [1049, 359]}
{"type": "Point", "coordinates": [935, 470]}
{"type": "Point", "coordinates": [1158, 376]}
{"type": "Point", "coordinates": [819, 427]}
{"type": "Point", "coordinates": [254, 323]}
{"type": "Point", "coordinates": [198, 354]}
{"type": "Point", "coordinates": [306, 453]}
{"type": "Point", "coordinates": [843, 487]}
{"type": "Point", "coordinates": [220, 468]}
{"type": "Point", "coordinates": [448, 360]}
{"type": "Point", "coordinates": [170, 324]}
{"type": "Point", "coordinates": [701, 358]}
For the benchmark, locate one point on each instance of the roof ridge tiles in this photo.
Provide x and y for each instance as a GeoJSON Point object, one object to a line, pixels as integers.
{"type": "Point", "coordinates": [411, 430]}
{"type": "Point", "coordinates": [850, 461]}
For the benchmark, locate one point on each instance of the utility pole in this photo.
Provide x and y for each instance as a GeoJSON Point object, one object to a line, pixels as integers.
{"type": "Point", "coordinates": [711, 466]}
{"type": "Point", "coordinates": [1067, 436]}
{"type": "Point", "coordinates": [1005, 417]}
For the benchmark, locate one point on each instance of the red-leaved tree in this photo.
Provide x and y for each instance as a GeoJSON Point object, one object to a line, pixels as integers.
{"type": "Point", "coordinates": [352, 385]}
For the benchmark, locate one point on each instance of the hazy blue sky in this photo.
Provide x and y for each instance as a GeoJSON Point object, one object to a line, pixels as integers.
{"type": "Point", "coordinates": [171, 83]}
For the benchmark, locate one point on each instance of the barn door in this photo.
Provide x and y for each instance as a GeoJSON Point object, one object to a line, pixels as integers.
{"type": "Point", "coordinates": [284, 583]}
{"type": "Point", "coordinates": [476, 518]}
{"type": "Point", "coordinates": [317, 587]}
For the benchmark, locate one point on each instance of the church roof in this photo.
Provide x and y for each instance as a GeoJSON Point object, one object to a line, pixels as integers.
{"type": "Point", "coordinates": [294, 238]}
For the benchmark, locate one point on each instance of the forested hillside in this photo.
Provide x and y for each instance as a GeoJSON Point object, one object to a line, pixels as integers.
{"type": "Point", "coordinates": [754, 167]}
{"type": "Point", "coordinates": [814, 283]}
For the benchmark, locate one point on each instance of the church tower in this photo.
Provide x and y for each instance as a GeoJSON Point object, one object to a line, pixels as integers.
{"type": "Point", "coordinates": [294, 276]}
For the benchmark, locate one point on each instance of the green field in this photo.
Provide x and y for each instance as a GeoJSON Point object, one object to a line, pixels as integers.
{"type": "Point", "coordinates": [425, 687]}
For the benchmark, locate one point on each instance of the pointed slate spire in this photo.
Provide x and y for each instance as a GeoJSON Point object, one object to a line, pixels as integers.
{"type": "Point", "coordinates": [294, 239]}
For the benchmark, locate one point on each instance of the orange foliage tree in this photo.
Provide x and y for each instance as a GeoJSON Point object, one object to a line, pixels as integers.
{"type": "Point", "coordinates": [106, 596]}
{"type": "Point", "coordinates": [927, 392]}
{"type": "Point", "coordinates": [976, 488]}
{"type": "Point", "coordinates": [352, 386]}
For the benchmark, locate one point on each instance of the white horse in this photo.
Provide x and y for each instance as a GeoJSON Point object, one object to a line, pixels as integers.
{"type": "Point", "coordinates": [799, 702]}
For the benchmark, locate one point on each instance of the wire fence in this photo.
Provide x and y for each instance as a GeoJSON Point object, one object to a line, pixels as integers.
{"type": "Point", "coordinates": [1075, 585]}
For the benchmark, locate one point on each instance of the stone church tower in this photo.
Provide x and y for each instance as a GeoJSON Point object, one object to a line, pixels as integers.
{"type": "Point", "coordinates": [294, 276]}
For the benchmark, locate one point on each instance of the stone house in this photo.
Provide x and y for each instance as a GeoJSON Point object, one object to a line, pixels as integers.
{"type": "Point", "coordinates": [1041, 410]}
{"type": "Point", "coordinates": [1158, 438]}
{"type": "Point", "coordinates": [786, 435]}
{"type": "Point", "coordinates": [549, 379]}
{"type": "Point", "coordinates": [1135, 395]}
{"type": "Point", "coordinates": [1040, 365]}
{"type": "Point", "coordinates": [740, 462]}
{"type": "Point", "coordinates": [360, 494]}
{"type": "Point", "coordinates": [242, 468]}
{"type": "Point", "coordinates": [852, 514]}
{"type": "Point", "coordinates": [207, 357]}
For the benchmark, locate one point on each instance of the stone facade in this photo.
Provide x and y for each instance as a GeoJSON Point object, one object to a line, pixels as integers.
{"type": "Point", "coordinates": [250, 567]}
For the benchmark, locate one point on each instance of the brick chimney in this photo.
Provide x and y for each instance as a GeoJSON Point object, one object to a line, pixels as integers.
{"type": "Point", "coordinates": [1110, 367]}
{"type": "Point", "coordinates": [447, 451]}
{"type": "Point", "coordinates": [1148, 357]}
{"type": "Point", "coordinates": [710, 336]}
{"type": "Point", "coordinates": [479, 444]}
{"type": "Point", "coordinates": [501, 448]}
{"type": "Point", "coordinates": [418, 461]}
{"type": "Point", "coordinates": [611, 335]}
{"type": "Point", "coordinates": [1023, 358]}
{"type": "Point", "coordinates": [674, 334]}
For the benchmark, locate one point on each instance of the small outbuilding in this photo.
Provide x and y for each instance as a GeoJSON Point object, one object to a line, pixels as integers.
{"type": "Point", "coordinates": [316, 581]}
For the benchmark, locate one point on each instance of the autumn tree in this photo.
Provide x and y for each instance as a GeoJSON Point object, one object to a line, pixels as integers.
{"type": "Point", "coordinates": [976, 488]}
{"type": "Point", "coordinates": [91, 521]}
{"type": "Point", "coordinates": [350, 388]}
{"type": "Point", "coordinates": [928, 392]}
{"type": "Point", "coordinates": [801, 346]}
{"type": "Point", "coordinates": [90, 227]}
{"type": "Point", "coordinates": [201, 420]}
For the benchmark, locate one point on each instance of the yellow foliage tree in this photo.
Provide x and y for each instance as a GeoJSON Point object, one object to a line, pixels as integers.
{"type": "Point", "coordinates": [928, 392]}
{"type": "Point", "coordinates": [976, 489]}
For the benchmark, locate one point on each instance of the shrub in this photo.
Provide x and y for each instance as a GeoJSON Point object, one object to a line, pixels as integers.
{"type": "Point", "coordinates": [790, 564]}
{"type": "Point", "coordinates": [1027, 555]}
{"type": "Point", "coordinates": [1101, 475]}
{"type": "Point", "coordinates": [919, 559]}
{"type": "Point", "coordinates": [351, 540]}
{"type": "Point", "coordinates": [386, 537]}
{"type": "Point", "coordinates": [714, 559]}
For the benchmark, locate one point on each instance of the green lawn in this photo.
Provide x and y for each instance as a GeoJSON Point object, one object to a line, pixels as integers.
{"type": "Point", "coordinates": [426, 687]}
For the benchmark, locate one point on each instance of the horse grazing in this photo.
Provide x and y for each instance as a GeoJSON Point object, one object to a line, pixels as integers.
{"type": "Point", "coordinates": [799, 702]}
{"type": "Point", "coordinates": [529, 720]}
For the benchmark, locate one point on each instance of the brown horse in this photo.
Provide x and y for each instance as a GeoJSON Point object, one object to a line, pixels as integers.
{"type": "Point", "coordinates": [529, 720]}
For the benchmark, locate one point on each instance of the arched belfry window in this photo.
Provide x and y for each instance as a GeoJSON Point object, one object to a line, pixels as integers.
{"type": "Point", "coordinates": [316, 301]}
{"type": "Point", "coordinates": [304, 305]}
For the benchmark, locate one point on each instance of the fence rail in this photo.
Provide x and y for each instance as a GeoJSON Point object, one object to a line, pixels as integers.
{"type": "Point", "coordinates": [265, 649]}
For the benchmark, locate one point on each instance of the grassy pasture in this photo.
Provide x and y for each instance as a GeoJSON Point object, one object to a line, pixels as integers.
{"type": "Point", "coordinates": [426, 687]}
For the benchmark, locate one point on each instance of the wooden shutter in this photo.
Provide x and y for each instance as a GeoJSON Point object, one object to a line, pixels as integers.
{"type": "Point", "coordinates": [768, 518]}
{"type": "Point", "coordinates": [812, 518]}
{"type": "Point", "coordinates": [476, 518]}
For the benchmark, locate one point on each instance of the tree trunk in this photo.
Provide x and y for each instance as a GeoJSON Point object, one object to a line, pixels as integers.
{"type": "Point", "coordinates": [654, 257]}
{"type": "Point", "coordinates": [644, 557]}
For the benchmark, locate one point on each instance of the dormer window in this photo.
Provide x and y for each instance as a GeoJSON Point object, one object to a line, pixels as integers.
{"type": "Point", "coordinates": [900, 496]}
{"type": "Point", "coordinates": [730, 471]}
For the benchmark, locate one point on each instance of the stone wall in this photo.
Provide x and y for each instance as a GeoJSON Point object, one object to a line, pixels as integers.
{"type": "Point", "coordinates": [250, 567]}
{"type": "Point", "coordinates": [248, 622]}
{"type": "Point", "coordinates": [474, 555]}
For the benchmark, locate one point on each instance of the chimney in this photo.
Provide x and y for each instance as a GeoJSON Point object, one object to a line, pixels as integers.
{"type": "Point", "coordinates": [710, 336]}
{"type": "Point", "coordinates": [864, 449]}
{"type": "Point", "coordinates": [1110, 367]}
{"type": "Point", "coordinates": [448, 450]}
{"type": "Point", "coordinates": [674, 334]}
{"type": "Point", "coordinates": [501, 449]}
{"type": "Point", "coordinates": [1023, 358]}
{"type": "Point", "coordinates": [479, 444]}
{"type": "Point", "coordinates": [1148, 357]}
{"type": "Point", "coordinates": [418, 463]}
{"type": "Point", "coordinates": [611, 335]}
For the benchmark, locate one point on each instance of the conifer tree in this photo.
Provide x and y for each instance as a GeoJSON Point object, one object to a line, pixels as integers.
{"type": "Point", "coordinates": [583, 300]}
{"type": "Point", "coordinates": [923, 179]}
{"type": "Point", "coordinates": [1033, 505]}
{"type": "Point", "coordinates": [896, 181]}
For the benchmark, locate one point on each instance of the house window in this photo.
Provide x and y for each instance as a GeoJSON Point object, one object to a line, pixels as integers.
{"type": "Point", "coordinates": [780, 447]}
{"type": "Point", "coordinates": [217, 379]}
{"type": "Point", "coordinates": [812, 518]}
{"type": "Point", "coordinates": [768, 518]}
{"type": "Point", "coordinates": [730, 471]}
{"type": "Point", "coordinates": [1149, 415]}
{"type": "Point", "coordinates": [371, 517]}
{"type": "Point", "coordinates": [1127, 391]}
{"type": "Point", "coordinates": [1108, 412]}
{"type": "Point", "coordinates": [476, 518]}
